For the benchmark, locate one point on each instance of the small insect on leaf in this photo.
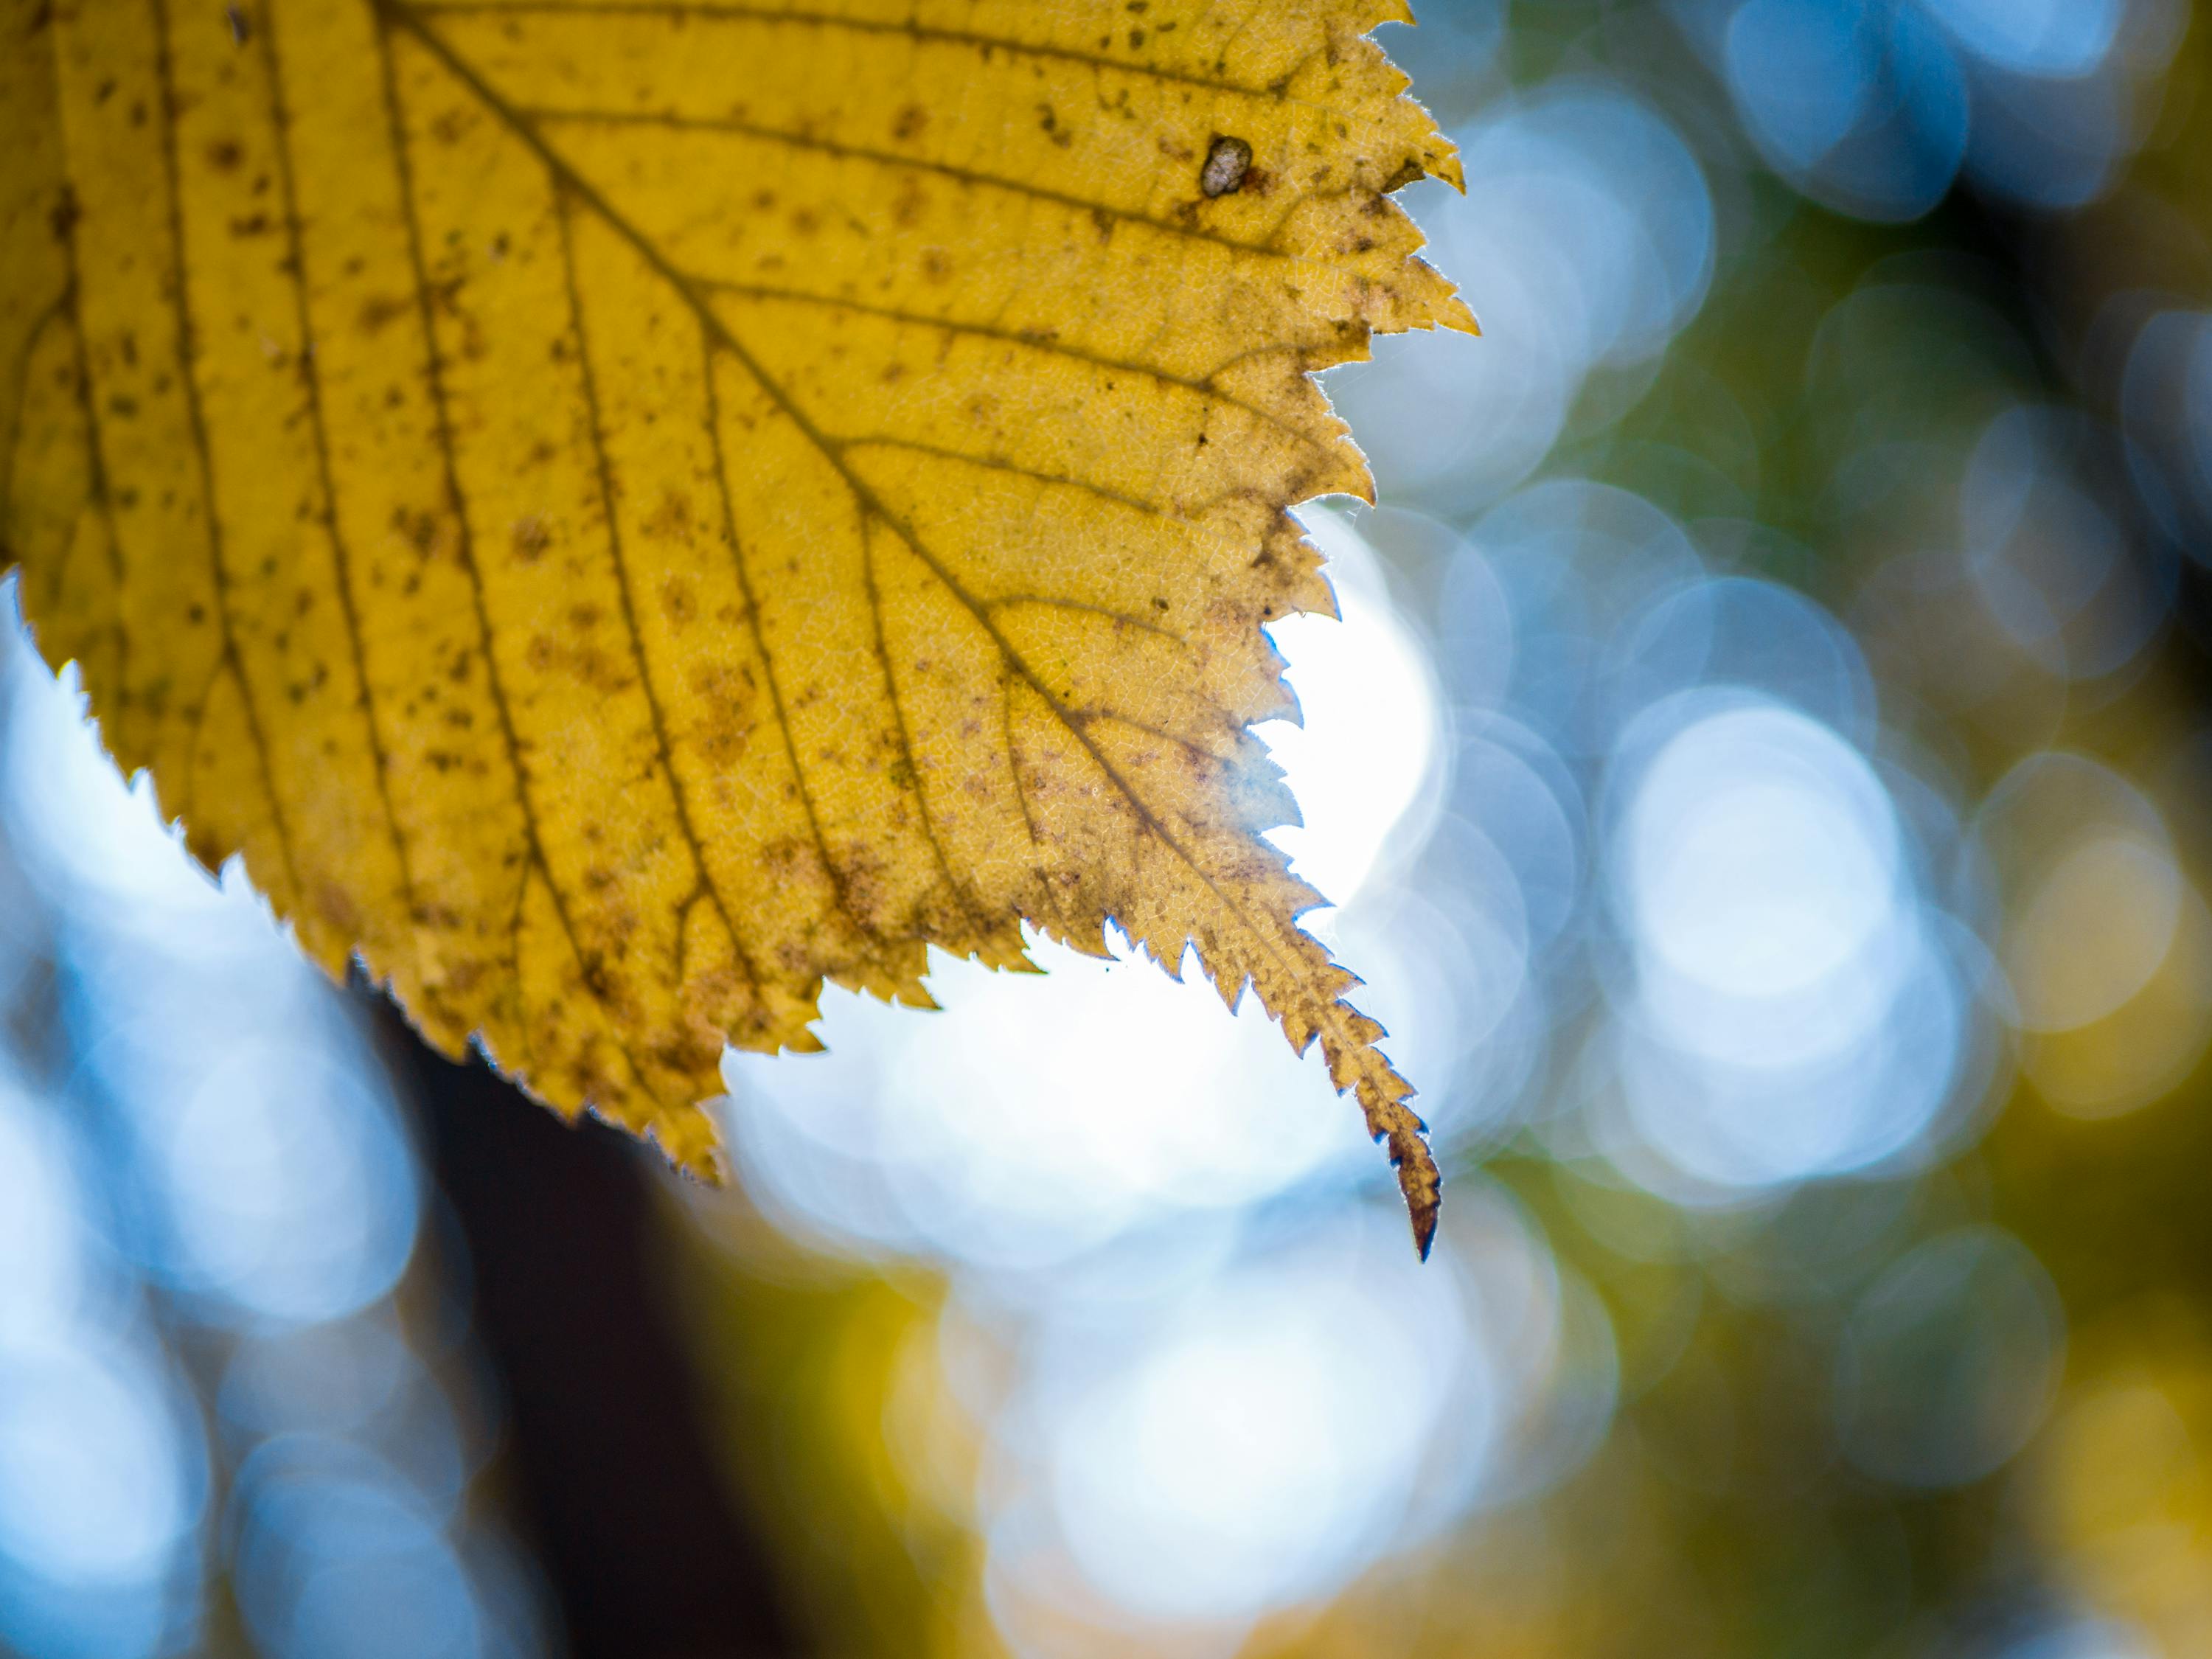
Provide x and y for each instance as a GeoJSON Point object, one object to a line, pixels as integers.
{"type": "Point", "coordinates": [622, 515]}
{"type": "Point", "coordinates": [1226, 163]}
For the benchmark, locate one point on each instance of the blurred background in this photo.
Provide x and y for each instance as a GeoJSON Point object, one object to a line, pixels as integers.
{"type": "Point", "coordinates": [1765, 767]}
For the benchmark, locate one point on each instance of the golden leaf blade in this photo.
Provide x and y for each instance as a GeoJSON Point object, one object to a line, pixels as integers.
{"type": "Point", "coordinates": [621, 512]}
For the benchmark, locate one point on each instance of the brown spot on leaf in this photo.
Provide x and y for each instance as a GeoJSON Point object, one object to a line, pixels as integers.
{"type": "Point", "coordinates": [1408, 171]}
{"type": "Point", "coordinates": [672, 519]}
{"type": "Point", "coordinates": [529, 537]}
{"type": "Point", "coordinates": [676, 599]}
{"type": "Point", "coordinates": [379, 309]}
{"type": "Point", "coordinates": [337, 908]}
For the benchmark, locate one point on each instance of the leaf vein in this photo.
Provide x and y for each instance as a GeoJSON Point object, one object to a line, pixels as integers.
{"type": "Point", "coordinates": [830, 870]}
{"type": "Point", "coordinates": [296, 238]}
{"type": "Point", "coordinates": [20, 395]}
{"type": "Point", "coordinates": [595, 425]}
{"type": "Point", "coordinates": [994, 463]}
{"type": "Point", "coordinates": [920, 31]}
{"type": "Point", "coordinates": [905, 736]}
{"type": "Point", "coordinates": [1030, 338]}
{"type": "Point", "coordinates": [434, 376]}
{"type": "Point", "coordinates": [1011, 601]}
{"type": "Point", "coordinates": [544, 114]}
{"type": "Point", "coordinates": [196, 418]}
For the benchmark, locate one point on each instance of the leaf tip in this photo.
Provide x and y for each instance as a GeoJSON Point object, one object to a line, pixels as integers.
{"type": "Point", "coordinates": [1425, 1227]}
{"type": "Point", "coordinates": [1419, 1178]}
{"type": "Point", "coordinates": [1420, 1181]}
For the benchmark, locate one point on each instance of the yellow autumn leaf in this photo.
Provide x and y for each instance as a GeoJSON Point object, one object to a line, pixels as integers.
{"type": "Point", "coordinates": [621, 512]}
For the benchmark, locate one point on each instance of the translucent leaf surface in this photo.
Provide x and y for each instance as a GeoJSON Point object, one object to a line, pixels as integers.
{"type": "Point", "coordinates": [621, 512]}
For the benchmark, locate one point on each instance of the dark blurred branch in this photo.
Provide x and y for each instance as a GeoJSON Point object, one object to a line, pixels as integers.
{"type": "Point", "coordinates": [613, 1464]}
{"type": "Point", "coordinates": [2061, 275]}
